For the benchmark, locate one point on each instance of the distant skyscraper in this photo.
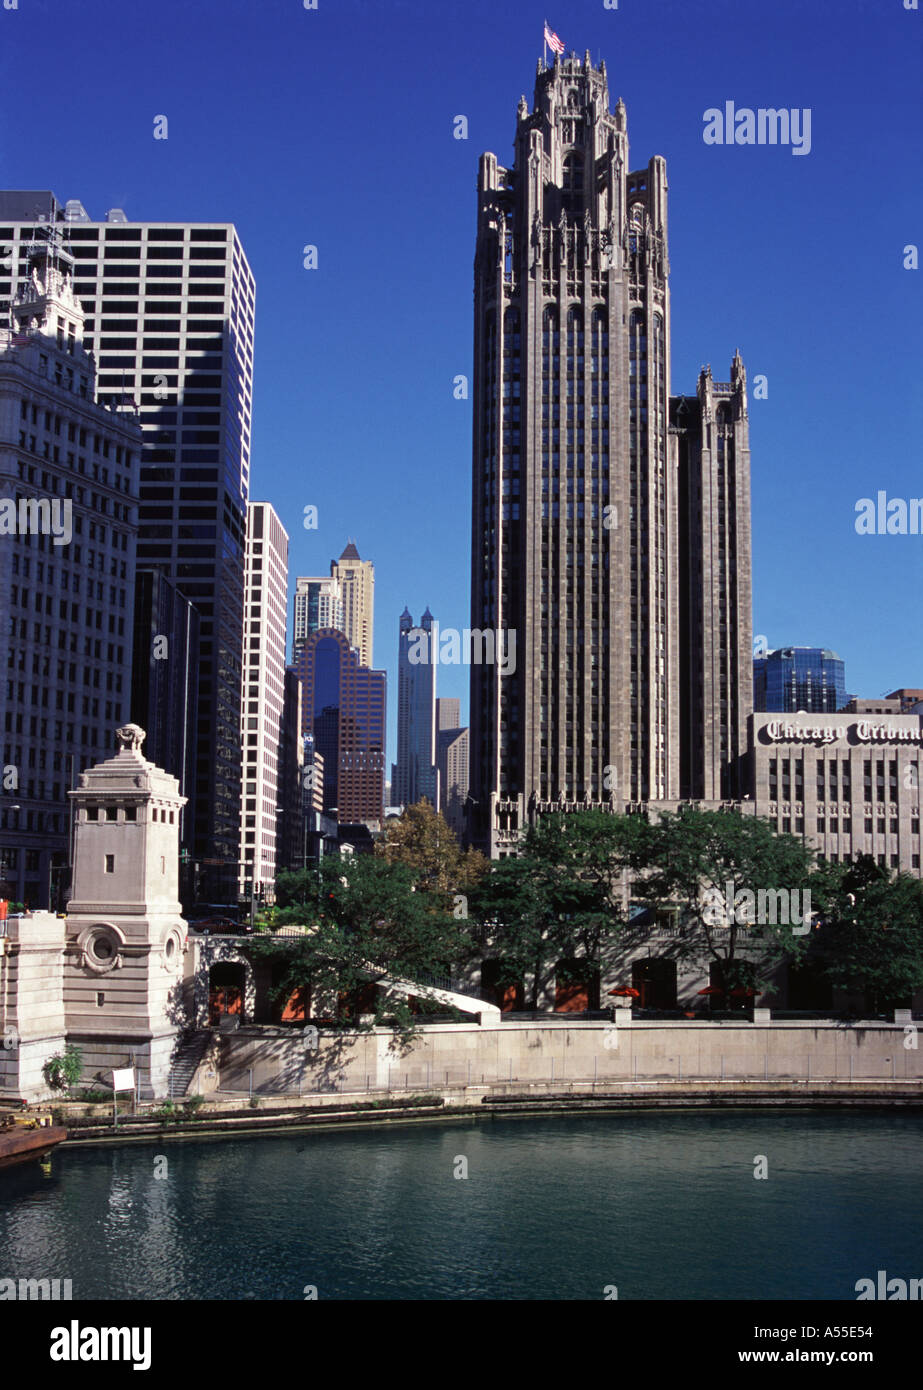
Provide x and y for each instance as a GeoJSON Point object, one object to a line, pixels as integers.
{"type": "Point", "coordinates": [448, 712]}
{"type": "Point", "coordinates": [590, 518]}
{"type": "Point", "coordinates": [451, 764]}
{"type": "Point", "coordinates": [416, 712]}
{"type": "Point", "coordinates": [317, 604]}
{"type": "Point", "coordinates": [169, 311]}
{"type": "Point", "coordinates": [262, 732]}
{"type": "Point", "coordinates": [794, 678]}
{"type": "Point", "coordinates": [356, 578]}
{"type": "Point", "coordinates": [164, 683]}
{"type": "Point", "coordinates": [69, 484]}
{"type": "Point", "coordinates": [343, 706]}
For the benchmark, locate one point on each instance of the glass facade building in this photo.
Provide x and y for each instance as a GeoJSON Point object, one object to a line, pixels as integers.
{"type": "Point", "coordinates": [799, 678]}
{"type": "Point", "coordinates": [344, 708]}
{"type": "Point", "coordinates": [415, 770]}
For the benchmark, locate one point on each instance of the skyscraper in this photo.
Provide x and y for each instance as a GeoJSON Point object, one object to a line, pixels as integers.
{"type": "Point", "coordinates": [69, 485]}
{"type": "Point", "coordinates": [164, 686]}
{"type": "Point", "coordinates": [709, 452]}
{"type": "Point", "coordinates": [416, 713]}
{"type": "Point", "coordinates": [169, 314]}
{"type": "Point", "coordinates": [343, 707]}
{"type": "Point", "coordinates": [577, 542]}
{"type": "Point", "coordinates": [356, 578]}
{"type": "Point", "coordinates": [799, 678]}
{"type": "Point", "coordinates": [262, 714]}
{"type": "Point", "coordinates": [317, 604]}
{"type": "Point", "coordinates": [451, 764]}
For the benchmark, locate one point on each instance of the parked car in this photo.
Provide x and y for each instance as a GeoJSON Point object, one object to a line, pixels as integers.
{"type": "Point", "coordinates": [222, 925]}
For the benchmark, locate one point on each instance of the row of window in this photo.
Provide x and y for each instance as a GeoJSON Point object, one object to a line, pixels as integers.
{"type": "Point", "coordinates": [129, 813]}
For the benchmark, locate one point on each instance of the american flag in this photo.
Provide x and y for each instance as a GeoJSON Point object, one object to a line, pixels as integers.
{"type": "Point", "coordinates": [552, 40]}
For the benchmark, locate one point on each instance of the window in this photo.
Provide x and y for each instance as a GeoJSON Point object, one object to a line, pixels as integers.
{"type": "Point", "coordinates": [110, 863]}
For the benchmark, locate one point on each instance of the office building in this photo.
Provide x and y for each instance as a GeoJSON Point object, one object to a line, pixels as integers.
{"type": "Point", "coordinates": [356, 580]}
{"type": "Point", "coordinates": [262, 713]}
{"type": "Point", "coordinates": [848, 781]}
{"type": "Point", "coordinates": [317, 604]}
{"type": "Point", "coordinates": [909, 699]}
{"type": "Point", "coordinates": [169, 315]}
{"type": "Point", "coordinates": [709, 450]}
{"type": "Point", "coordinates": [68, 514]}
{"type": "Point", "coordinates": [416, 712]}
{"type": "Point", "coordinates": [798, 678]}
{"type": "Point", "coordinates": [596, 503]}
{"type": "Point", "coordinates": [164, 686]}
{"type": "Point", "coordinates": [344, 708]}
{"type": "Point", "coordinates": [452, 764]}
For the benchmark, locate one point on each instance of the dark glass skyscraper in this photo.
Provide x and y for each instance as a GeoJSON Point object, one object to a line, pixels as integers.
{"type": "Point", "coordinates": [415, 770]}
{"type": "Point", "coordinates": [164, 683]}
{"type": "Point", "coordinates": [799, 678]}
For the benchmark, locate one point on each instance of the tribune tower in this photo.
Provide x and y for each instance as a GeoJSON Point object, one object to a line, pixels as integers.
{"type": "Point", "coordinates": [578, 484]}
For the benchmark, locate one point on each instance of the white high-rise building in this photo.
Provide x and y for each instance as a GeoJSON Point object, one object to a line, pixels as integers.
{"type": "Point", "coordinates": [318, 603]}
{"type": "Point", "coordinates": [263, 700]}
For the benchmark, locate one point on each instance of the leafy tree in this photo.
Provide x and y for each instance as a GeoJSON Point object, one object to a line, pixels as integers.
{"type": "Point", "coordinates": [697, 862]}
{"type": "Point", "coordinates": [560, 898]}
{"type": "Point", "coordinates": [422, 840]}
{"type": "Point", "coordinates": [871, 937]}
{"type": "Point", "coordinates": [365, 921]}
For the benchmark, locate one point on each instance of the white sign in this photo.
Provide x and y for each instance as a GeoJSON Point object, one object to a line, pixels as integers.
{"type": "Point", "coordinates": [123, 1080]}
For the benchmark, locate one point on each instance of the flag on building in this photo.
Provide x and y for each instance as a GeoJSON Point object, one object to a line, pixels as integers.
{"type": "Point", "coordinates": [552, 40]}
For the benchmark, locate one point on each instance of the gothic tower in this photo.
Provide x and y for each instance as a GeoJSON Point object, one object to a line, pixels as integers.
{"type": "Point", "coordinates": [576, 535]}
{"type": "Point", "coordinates": [574, 500]}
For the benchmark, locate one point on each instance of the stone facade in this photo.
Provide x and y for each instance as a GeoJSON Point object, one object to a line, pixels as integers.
{"type": "Point", "coordinates": [849, 782]}
{"type": "Point", "coordinates": [611, 537]}
{"type": "Point", "coordinates": [109, 977]}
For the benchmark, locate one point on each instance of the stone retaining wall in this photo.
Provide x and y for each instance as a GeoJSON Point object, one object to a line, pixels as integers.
{"type": "Point", "coordinates": [451, 1055]}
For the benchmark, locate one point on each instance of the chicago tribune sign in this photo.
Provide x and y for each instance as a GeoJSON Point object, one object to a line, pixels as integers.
{"type": "Point", "coordinates": [779, 731]}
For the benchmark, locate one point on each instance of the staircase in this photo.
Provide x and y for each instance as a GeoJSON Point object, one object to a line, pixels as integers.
{"type": "Point", "coordinates": [186, 1062]}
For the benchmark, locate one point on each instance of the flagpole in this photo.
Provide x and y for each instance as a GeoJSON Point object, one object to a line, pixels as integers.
{"type": "Point", "coordinates": [544, 44]}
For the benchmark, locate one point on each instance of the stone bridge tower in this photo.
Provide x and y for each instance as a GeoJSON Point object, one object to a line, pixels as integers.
{"type": "Point", "coordinates": [126, 937]}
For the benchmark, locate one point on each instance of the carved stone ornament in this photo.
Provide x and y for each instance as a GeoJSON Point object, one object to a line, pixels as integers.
{"type": "Point", "coordinates": [130, 738]}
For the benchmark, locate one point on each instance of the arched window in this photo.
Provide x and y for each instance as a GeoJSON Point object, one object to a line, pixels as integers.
{"type": "Point", "coordinates": [573, 174]}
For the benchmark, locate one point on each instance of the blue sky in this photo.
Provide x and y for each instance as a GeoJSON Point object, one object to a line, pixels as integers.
{"type": "Point", "coordinates": [334, 128]}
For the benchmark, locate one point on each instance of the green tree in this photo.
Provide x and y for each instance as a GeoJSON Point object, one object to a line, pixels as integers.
{"type": "Point", "coordinates": [871, 937]}
{"type": "Point", "coordinates": [561, 898]}
{"type": "Point", "coordinates": [696, 862]}
{"type": "Point", "coordinates": [365, 922]}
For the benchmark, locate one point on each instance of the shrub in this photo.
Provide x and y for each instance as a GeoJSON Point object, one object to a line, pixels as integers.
{"type": "Point", "coordinates": [63, 1069]}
